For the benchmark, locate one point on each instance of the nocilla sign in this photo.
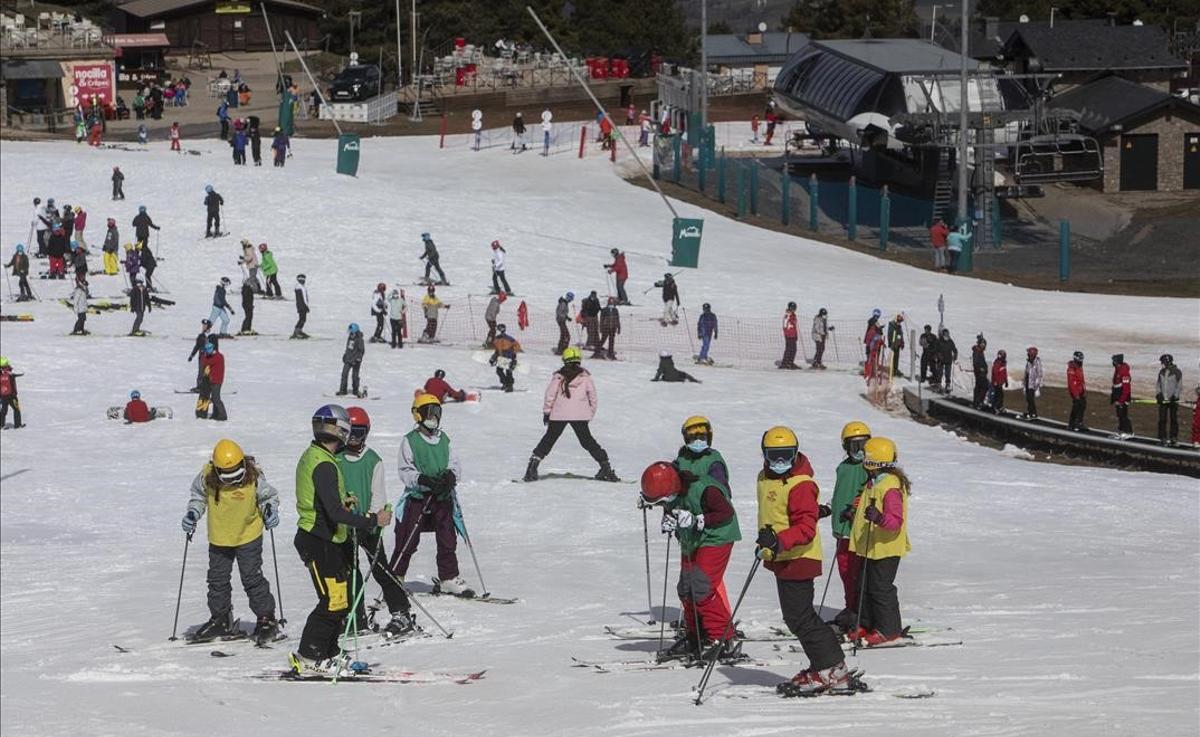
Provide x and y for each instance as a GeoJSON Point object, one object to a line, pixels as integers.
{"type": "Point", "coordinates": [231, 8]}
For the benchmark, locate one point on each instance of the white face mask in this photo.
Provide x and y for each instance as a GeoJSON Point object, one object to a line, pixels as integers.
{"type": "Point", "coordinates": [431, 422]}
{"type": "Point", "coordinates": [780, 467]}
{"type": "Point", "coordinates": [699, 445]}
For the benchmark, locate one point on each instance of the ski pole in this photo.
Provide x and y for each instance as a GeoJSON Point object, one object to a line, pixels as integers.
{"type": "Point", "coordinates": [828, 578]}
{"type": "Point", "coordinates": [646, 541]}
{"type": "Point", "coordinates": [179, 596]}
{"type": "Point", "coordinates": [712, 663]}
{"type": "Point", "coordinates": [662, 613]}
{"type": "Point", "coordinates": [278, 589]}
{"type": "Point", "coordinates": [157, 244]}
{"type": "Point", "coordinates": [413, 599]}
{"type": "Point", "coordinates": [471, 548]}
{"type": "Point", "coordinates": [862, 589]}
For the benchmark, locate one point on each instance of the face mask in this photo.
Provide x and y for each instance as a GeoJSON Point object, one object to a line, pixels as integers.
{"type": "Point", "coordinates": [780, 467]}
{"type": "Point", "coordinates": [431, 422]}
{"type": "Point", "coordinates": [699, 445]}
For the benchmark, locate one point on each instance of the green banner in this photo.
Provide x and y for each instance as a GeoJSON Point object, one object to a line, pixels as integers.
{"type": "Point", "coordinates": [685, 242]}
{"type": "Point", "coordinates": [347, 159]}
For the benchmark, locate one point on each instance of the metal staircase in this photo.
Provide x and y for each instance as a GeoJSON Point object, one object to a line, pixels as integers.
{"type": "Point", "coordinates": [943, 190]}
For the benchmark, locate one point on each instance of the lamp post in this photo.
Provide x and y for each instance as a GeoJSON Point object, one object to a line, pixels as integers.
{"type": "Point", "coordinates": [962, 120]}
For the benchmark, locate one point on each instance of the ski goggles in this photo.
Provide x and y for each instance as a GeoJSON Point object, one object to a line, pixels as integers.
{"type": "Point", "coordinates": [430, 411]}
{"type": "Point", "coordinates": [696, 432]}
{"type": "Point", "coordinates": [358, 434]}
{"type": "Point", "coordinates": [779, 456]}
{"type": "Point", "coordinates": [233, 475]}
{"type": "Point", "coordinates": [854, 446]}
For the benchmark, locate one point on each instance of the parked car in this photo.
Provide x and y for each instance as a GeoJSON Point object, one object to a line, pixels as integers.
{"type": "Point", "coordinates": [356, 83]}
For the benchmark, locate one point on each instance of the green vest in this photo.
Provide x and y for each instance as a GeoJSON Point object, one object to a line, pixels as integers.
{"type": "Point", "coordinates": [430, 460]}
{"type": "Point", "coordinates": [358, 474]}
{"type": "Point", "coordinates": [306, 493]}
{"type": "Point", "coordinates": [690, 500]}
{"type": "Point", "coordinates": [698, 465]}
{"type": "Point", "coordinates": [851, 477]}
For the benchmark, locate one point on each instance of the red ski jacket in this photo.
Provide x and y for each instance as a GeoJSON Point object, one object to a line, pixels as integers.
{"type": "Point", "coordinates": [789, 325]}
{"type": "Point", "coordinates": [1122, 384]}
{"type": "Point", "coordinates": [216, 367]}
{"type": "Point", "coordinates": [999, 373]}
{"type": "Point", "coordinates": [137, 411]}
{"type": "Point", "coordinates": [1075, 382]}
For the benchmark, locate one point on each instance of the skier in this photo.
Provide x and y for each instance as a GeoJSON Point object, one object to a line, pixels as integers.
{"type": "Point", "coordinates": [979, 368]}
{"type": "Point", "coordinates": [43, 220]}
{"type": "Point", "coordinates": [280, 147]}
{"type": "Point", "coordinates": [667, 371]}
{"type": "Point", "coordinates": [79, 303]}
{"type": "Point", "coordinates": [820, 333]}
{"type": "Point", "coordinates": [432, 262]}
{"type": "Point", "coordinates": [491, 315]}
{"type": "Point", "coordinates": [1077, 389]}
{"type": "Point", "coordinates": [142, 225]}
{"type": "Point", "coordinates": [697, 456]}
{"type": "Point", "coordinates": [112, 245]}
{"type": "Point", "coordinates": [255, 140]}
{"type": "Point", "coordinates": [249, 260]}
{"type": "Point", "coordinates": [79, 260]}
{"type": "Point", "coordinates": [706, 331]}
{"type": "Point", "coordinates": [397, 317]}
{"type": "Point", "coordinates": [56, 249]}
{"type": "Point", "coordinates": [238, 144]}
{"type": "Point", "coordinates": [361, 469]}
{"type": "Point", "coordinates": [379, 310]}
{"type": "Point", "coordinates": [352, 359]}
{"type": "Point", "coordinates": [928, 343]}
{"type": "Point", "coordinates": [1032, 382]}
{"type": "Point", "coordinates": [198, 350]}
{"type": "Point", "coordinates": [589, 312]}
{"type": "Point", "coordinates": [80, 225]}
{"type": "Point", "coordinates": [947, 356]}
{"type": "Point", "coordinates": [118, 184]}
{"type": "Point", "coordinates": [895, 343]}
{"type": "Point", "coordinates": [213, 362]}
{"type": "Point", "coordinates": [790, 333]}
{"type": "Point", "coordinates": [139, 305]}
{"type": "Point", "coordinates": [212, 206]}
{"type": "Point", "coordinates": [562, 313]}
{"type": "Point", "coordinates": [498, 278]}
{"type": "Point", "coordinates": [698, 512]}
{"type": "Point", "coordinates": [136, 409]}
{"type": "Point", "coordinates": [1166, 392]}
{"type": "Point", "coordinates": [8, 394]}
{"type": "Point", "coordinates": [322, 502]}
{"type": "Point", "coordinates": [670, 298]}
{"type": "Point", "coordinates": [68, 222]}
{"type": "Point", "coordinates": [850, 478]}
{"type": "Point", "coordinates": [221, 309]}
{"type": "Point", "coordinates": [431, 304]}
{"type": "Point", "coordinates": [504, 357]}
{"type": "Point", "coordinates": [879, 535]}
{"type": "Point", "coordinates": [872, 344]}
{"type": "Point", "coordinates": [430, 471]}
{"type": "Point", "coordinates": [270, 272]}
{"type": "Point", "coordinates": [19, 264]}
{"type": "Point", "coordinates": [440, 388]}
{"type": "Point", "coordinates": [302, 307]}
{"type": "Point", "coordinates": [518, 126]}
{"type": "Point", "coordinates": [620, 271]}
{"type": "Point", "coordinates": [789, 543]}
{"type": "Point", "coordinates": [1122, 387]}
{"type": "Point", "coordinates": [999, 380]}
{"type": "Point", "coordinates": [148, 262]}
{"type": "Point", "coordinates": [223, 117]}
{"type": "Point", "coordinates": [173, 133]}
{"type": "Point", "coordinates": [570, 399]}
{"type": "Point", "coordinates": [240, 503]}
{"type": "Point", "coordinates": [610, 328]}
{"type": "Point", "coordinates": [247, 307]}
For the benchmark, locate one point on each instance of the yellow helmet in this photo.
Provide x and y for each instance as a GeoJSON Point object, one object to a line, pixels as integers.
{"type": "Point", "coordinates": [779, 437]}
{"type": "Point", "coordinates": [879, 453]}
{"type": "Point", "coordinates": [855, 429]}
{"type": "Point", "coordinates": [696, 424]}
{"type": "Point", "coordinates": [780, 448]}
{"type": "Point", "coordinates": [128, 246]}
{"type": "Point", "coordinates": [572, 355]}
{"type": "Point", "coordinates": [421, 402]}
{"type": "Point", "coordinates": [229, 461]}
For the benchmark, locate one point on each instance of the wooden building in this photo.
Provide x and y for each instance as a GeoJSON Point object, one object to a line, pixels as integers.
{"type": "Point", "coordinates": [219, 25]}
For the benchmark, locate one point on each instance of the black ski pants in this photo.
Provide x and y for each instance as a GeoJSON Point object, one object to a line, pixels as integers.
{"type": "Point", "coordinates": [23, 285]}
{"type": "Point", "coordinates": [925, 361]}
{"type": "Point", "coordinates": [247, 318]}
{"type": "Point", "coordinates": [80, 321]}
{"type": "Point", "coordinates": [564, 336]}
{"type": "Point", "coordinates": [1168, 412]}
{"type": "Point", "coordinates": [302, 317]}
{"type": "Point", "coordinates": [433, 265]}
{"type": "Point", "coordinates": [896, 361]}
{"type": "Point", "coordinates": [5, 403]}
{"type": "Point", "coordinates": [329, 569]}
{"type": "Point", "coordinates": [820, 645]}
{"type": "Point", "coordinates": [1123, 422]}
{"type": "Point", "coordinates": [249, 563]}
{"type": "Point", "coordinates": [137, 321]}
{"type": "Point", "coordinates": [819, 355]}
{"type": "Point", "coordinates": [491, 334]}
{"type": "Point", "coordinates": [506, 377]}
{"type": "Point", "coordinates": [350, 371]}
{"type": "Point", "coordinates": [1030, 402]}
{"type": "Point", "coordinates": [118, 191]}
{"type": "Point", "coordinates": [981, 388]}
{"type": "Point", "coordinates": [379, 320]}
{"type": "Point", "coordinates": [376, 559]}
{"type": "Point", "coordinates": [397, 327]}
{"type": "Point", "coordinates": [880, 606]}
{"type": "Point", "coordinates": [1078, 409]}
{"type": "Point", "coordinates": [273, 286]}
{"type": "Point", "coordinates": [555, 428]}
{"type": "Point", "coordinates": [789, 353]}
{"type": "Point", "coordinates": [212, 224]}
{"type": "Point", "coordinates": [498, 278]}
{"type": "Point", "coordinates": [218, 407]}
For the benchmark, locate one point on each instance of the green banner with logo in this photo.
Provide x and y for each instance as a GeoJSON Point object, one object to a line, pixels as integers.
{"type": "Point", "coordinates": [347, 159]}
{"type": "Point", "coordinates": [685, 242]}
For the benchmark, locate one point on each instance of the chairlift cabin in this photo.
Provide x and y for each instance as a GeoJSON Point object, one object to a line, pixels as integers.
{"type": "Point", "coordinates": [1057, 157]}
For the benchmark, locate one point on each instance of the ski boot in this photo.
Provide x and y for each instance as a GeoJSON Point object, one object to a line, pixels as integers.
{"type": "Point", "coordinates": [685, 647]}
{"type": "Point", "coordinates": [403, 624]}
{"type": "Point", "coordinates": [606, 473]}
{"type": "Point", "coordinates": [729, 651]}
{"type": "Point", "coordinates": [219, 625]}
{"type": "Point", "coordinates": [454, 587]}
{"type": "Point", "coordinates": [265, 630]}
{"type": "Point", "coordinates": [531, 471]}
{"type": "Point", "coordinates": [303, 667]}
{"type": "Point", "coordinates": [812, 683]}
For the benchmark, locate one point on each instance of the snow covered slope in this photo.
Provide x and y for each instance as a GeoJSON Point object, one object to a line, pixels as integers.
{"type": "Point", "coordinates": [1073, 589]}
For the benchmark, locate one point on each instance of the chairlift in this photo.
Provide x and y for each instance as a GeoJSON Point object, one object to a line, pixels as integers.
{"type": "Point", "coordinates": [1057, 157]}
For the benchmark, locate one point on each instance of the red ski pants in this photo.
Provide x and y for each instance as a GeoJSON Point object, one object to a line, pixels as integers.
{"type": "Point", "coordinates": [849, 564]}
{"type": "Point", "coordinates": [701, 581]}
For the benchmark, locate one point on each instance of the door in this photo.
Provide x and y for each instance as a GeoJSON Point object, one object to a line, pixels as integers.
{"type": "Point", "coordinates": [1191, 160]}
{"type": "Point", "coordinates": [1139, 163]}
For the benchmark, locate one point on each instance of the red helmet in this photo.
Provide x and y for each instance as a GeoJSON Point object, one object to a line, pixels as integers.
{"type": "Point", "coordinates": [360, 425]}
{"type": "Point", "coordinates": [380, 287]}
{"type": "Point", "coordinates": [1031, 352]}
{"type": "Point", "coordinates": [659, 481]}
{"type": "Point", "coordinates": [112, 221]}
{"type": "Point", "coordinates": [262, 247]}
{"type": "Point", "coordinates": [495, 244]}
{"type": "Point", "coordinates": [501, 297]}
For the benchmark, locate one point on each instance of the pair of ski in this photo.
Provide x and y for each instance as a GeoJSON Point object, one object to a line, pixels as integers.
{"type": "Point", "coordinates": [366, 673]}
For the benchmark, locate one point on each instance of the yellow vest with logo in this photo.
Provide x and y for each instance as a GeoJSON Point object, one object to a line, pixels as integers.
{"type": "Point", "coordinates": [233, 516]}
{"type": "Point", "coordinates": [883, 543]}
{"type": "Point", "coordinates": [773, 510]}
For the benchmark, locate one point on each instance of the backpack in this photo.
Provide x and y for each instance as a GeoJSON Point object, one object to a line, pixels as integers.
{"type": "Point", "coordinates": [6, 384]}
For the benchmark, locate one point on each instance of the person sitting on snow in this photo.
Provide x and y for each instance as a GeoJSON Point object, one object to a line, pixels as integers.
{"type": "Point", "coordinates": [136, 409]}
{"type": "Point", "coordinates": [668, 372]}
{"type": "Point", "coordinates": [440, 388]}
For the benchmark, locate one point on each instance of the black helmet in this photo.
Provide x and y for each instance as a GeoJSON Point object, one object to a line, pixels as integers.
{"type": "Point", "coordinates": [501, 328]}
{"type": "Point", "coordinates": [1118, 358]}
{"type": "Point", "coordinates": [1077, 356]}
{"type": "Point", "coordinates": [614, 252]}
{"type": "Point", "coordinates": [791, 305]}
{"type": "Point", "coordinates": [981, 340]}
{"type": "Point", "coordinates": [928, 328]}
{"type": "Point", "coordinates": [439, 374]}
{"type": "Point", "coordinates": [706, 307]}
{"type": "Point", "coordinates": [1166, 359]}
{"type": "Point", "coordinates": [300, 278]}
{"type": "Point", "coordinates": [822, 312]}
{"type": "Point", "coordinates": [945, 332]}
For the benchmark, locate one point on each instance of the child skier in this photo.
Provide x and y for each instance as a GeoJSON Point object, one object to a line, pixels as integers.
{"type": "Point", "coordinates": [118, 184]}
{"type": "Point", "coordinates": [999, 380]}
{"type": "Point", "coordinates": [112, 245]}
{"type": "Point", "coordinates": [570, 399]}
{"type": "Point", "coordinates": [136, 409]}
{"type": "Point", "coordinates": [491, 316]}
{"type": "Point", "coordinates": [302, 307]}
{"type": "Point", "coordinates": [19, 263]}
{"type": "Point", "coordinates": [139, 305]}
{"type": "Point", "coordinates": [325, 514]}
{"type": "Point", "coordinates": [270, 272]}
{"type": "Point", "coordinates": [851, 477]}
{"type": "Point", "coordinates": [430, 305]}
{"type": "Point", "coordinates": [431, 259]}
{"type": "Point", "coordinates": [667, 371]}
{"type": "Point", "coordinates": [352, 359]}
{"type": "Point", "coordinates": [213, 365]}
{"type": "Point", "coordinates": [362, 470]}
{"type": "Point", "coordinates": [8, 394]}
{"type": "Point", "coordinates": [79, 303]}
{"type": "Point", "coordinates": [504, 356]}
{"type": "Point", "coordinates": [440, 388]}
{"type": "Point", "coordinates": [248, 307]}
{"type": "Point", "coordinates": [706, 331]}
{"type": "Point", "coordinates": [213, 202]}
{"type": "Point", "coordinates": [221, 309]}
{"type": "Point", "coordinates": [1032, 382]}
{"type": "Point", "coordinates": [379, 311]}
{"type": "Point", "coordinates": [430, 471]}
{"type": "Point", "coordinates": [879, 535]}
{"type": "Point", "coordinates": [174, 133]}
{"type": "Point", "coordinates": [198, 350]}
{"type": "Point", "coordinates": [240, 503]}
{"type": "Point", "coordinates": [1122, 386]}
{"type": "Point", "coordinates": [696, 456]}
{"type": "Point", "coordinates": [670, 298]}
{"type": "Point", "coordinates": [789, 543]}
{"type": "Point", "coordinates": [498, 278]}
{"type": "Point", "coordinates": [791, 333]}
{"type": "Point", "coordinates": [397, 317]}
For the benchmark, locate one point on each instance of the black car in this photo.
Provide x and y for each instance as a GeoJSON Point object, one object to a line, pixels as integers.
{"type": "Point", "coordinates": [356, 83]}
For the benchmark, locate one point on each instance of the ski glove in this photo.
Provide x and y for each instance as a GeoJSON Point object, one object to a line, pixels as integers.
{"type": "Point", "coordinates": [823, 511]}
{"type": "Point", "coordinates": [270, 517]}
{"type": "Point", "coordinates": [492, 361]}
{"type": "Point", "coordinates": [687, 520]}
{"type": "Point", "coordinates": [448, 480]}
{"type": "Point", "coordinates": [669, 523]}
{"type": "Point", "coordinates": [189, 522]}
{"type": "Point", "coordinates": [873, 515]}
{"type": "Point", "coordinates": [768, 542]}
{"type": "Point", "coordinates": [1158, 398]}
{"type": "Point", "coordinates": [428, 482]}
{"type": "Point", "coordinates": [848, 514]}
{"type": "Point", "coordinates": [546, 419]}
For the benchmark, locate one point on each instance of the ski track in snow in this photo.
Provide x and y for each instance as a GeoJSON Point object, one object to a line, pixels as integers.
{"type": "Point", "coordinates": [1074, 589]}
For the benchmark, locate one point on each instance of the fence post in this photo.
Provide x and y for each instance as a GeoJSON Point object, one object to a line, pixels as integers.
{"type": "Point", "coordinates": [677, 148]}
{"type": "Point", "coordinates": [583, 141]}
{"type": "Point", "coordinates": [1064, 250]}
{"type": "Point", "coordinates": [654, 156]}
{"type": "Point", "coordinates": [885, 217]}
{"type": "Point", "coordinates": [441, 133]}
{"type": "Point", "coordinates": [852, 210]}
{"type": "Point", "coordinates": [754, 186]}
{"type": "Point", "coordinates": [995, 222]}
{"type": "Point", "coordinates": [741, 188]}
{"type": "Point", "coordinates": [721, 178]}
{"type": "Point", "coordinates": [785, 187]}
{"type": "Point", "coordinates": [703, 178]}
{"type": "Point", "coordinates": [813, 198]}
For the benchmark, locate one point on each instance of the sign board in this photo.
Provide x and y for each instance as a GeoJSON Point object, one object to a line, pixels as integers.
{"type": "Point", "coordinates": [84, 79]}
{"type": "Point", "coordinates": [224, 8]}
{"type": "Point", "coordinates": [347, 158]}
{"type": "Point", "coordinates": [685, 242]}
